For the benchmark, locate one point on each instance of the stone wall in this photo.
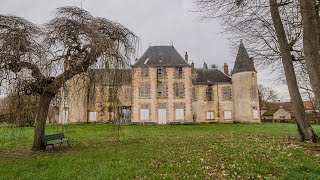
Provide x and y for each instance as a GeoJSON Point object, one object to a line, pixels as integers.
{"type": "Point", "coordinates": [73, 100]}
{"type": "Point", "coordinates": [105, 106]}
{"type": "Point", "coordinates": [244, 103]}
{"type": "Point", "coordinates": [80, 101]}
{"type": "Point", "coordinates": [153, 100]}
{"type": "Point", "coordinates": [217, 105]}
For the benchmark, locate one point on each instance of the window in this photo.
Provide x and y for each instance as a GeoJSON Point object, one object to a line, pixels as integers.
{"type": "Point", "coordinates": [178, 90]}
{"type": "Point", "coordinates": [255, 112]}
{"type": "Point", "coordinates": [194, 95]}
{"type": "Point", "coordinates": [127, 94]}
{"type": "Point", "coordinates": [227, 115]}
{"type": "Point", "coordinates": [210, 115]}
{"type": "Point", "coordinates": [162, 90]}
{"type": "Point", "coordinates": [179, 114]}
{"type": "Point", "coordinates": [226, 93]}
{"type": "Point", "coordinates": [65, 116]}
{"type": "Point", "coordinates": [209, 93]}
{"type": "Point", "coordinates": [92, 116]}
{"type": "Point", "coordinates": [144, 71]}
{"type": "Point", "coordinates": [178, 73]}
{"type": "Point", "coordinates": [111, 94]}
{"type": "Point", "coordinates": [179, 110]}
{"type": "Point", "coordinates": [162, 113]}
{"type": "Point", "coordinates": [126, 113]}
{"type": "Point", "coordinates": [144, 90]}
{"type": "Point", "coordinates": [161, 71]}
{"type": "Point", "coordinates": [254, 93]}
{"type": "Point", "coordinates": [112, 114]}
{"type": "Point", "coordinates": [144, 112]}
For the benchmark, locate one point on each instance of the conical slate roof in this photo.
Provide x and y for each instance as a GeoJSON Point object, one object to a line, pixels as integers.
{"type": "Point", "coordinates": [243, 62]}
{"type": "Point", "coordinates": [165, 56]}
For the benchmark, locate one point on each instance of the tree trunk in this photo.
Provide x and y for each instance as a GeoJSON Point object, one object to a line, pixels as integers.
{"type": "Point", "coordinates": [304, 127]}
{"type": "Point", "coordinates": [310, 24]}
{"type": "Point", "coordinates": [40, 123]}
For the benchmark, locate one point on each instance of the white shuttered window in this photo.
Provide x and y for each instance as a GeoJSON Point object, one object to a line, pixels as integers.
{"type": "Point", "coordinates": [227, 115]}
{"type": "Point", "coordinates": [144, 114]}
{"type": "Point", "coordinates": [210, 115]}
{"type": "Point", "coordinates": [179, 114]}
{"type": "Point", "coordinates": [255, 114]}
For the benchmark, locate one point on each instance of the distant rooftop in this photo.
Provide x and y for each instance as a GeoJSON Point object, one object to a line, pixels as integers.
{"type": "Point", "coordinates": [165, 56]}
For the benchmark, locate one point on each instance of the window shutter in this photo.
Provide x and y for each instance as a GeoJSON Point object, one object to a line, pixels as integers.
{"type": "Point", "coordinates": [179, 114]}
{"type": "Point", "coordinates": [255, 114]}
{"type": "Point", "coordinates": [144, 113]}
{"type": "Point", "coordinates": [210, 115]}
{"type": "Point", "coordinates": [227, 115]}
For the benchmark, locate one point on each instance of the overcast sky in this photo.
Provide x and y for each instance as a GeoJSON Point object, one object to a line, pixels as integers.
{"type": "Point", "coordinates": [155, 22]}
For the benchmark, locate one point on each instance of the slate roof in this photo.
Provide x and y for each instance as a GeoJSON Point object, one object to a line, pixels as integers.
{"type": "Point", "coordinates": [107, 76]}
{"type": "Point", "coordinates": [270, 112]}
{"type": "Point", "coordinates": [165, 56]}
{"type": "Point", "coordinates": [209, 76]}
{"type": "Point", "coordinates": [243, 62]}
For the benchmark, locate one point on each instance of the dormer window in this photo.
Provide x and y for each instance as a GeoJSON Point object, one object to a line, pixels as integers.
{"type": "Point", "coordinates": [161, 71]}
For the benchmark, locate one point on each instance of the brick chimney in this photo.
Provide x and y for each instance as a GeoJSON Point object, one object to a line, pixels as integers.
{"type": "Point", "coordinates": [192, 65]}
{"type": "Point", "coordinates": [226, 69]}
{"type": "Point", "coordinates": [186, 57]}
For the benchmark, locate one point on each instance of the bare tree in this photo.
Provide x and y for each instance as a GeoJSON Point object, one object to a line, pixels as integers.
{"type": "Point", "coordinates": [267, 94]}
{"type": "Point", "coordinates": [305, 129]}
{"type": "Point", "coordinates": [311, 43]}
{"type": "Point", "coordinates": [42, 59]}
{"type": "Point", "coordinates": [271, 37]}
{"type": "Point", "coordinates": [307, 91]}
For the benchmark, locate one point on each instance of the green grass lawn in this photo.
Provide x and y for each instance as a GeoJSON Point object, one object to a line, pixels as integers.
{"type": "Point", "coordinates": [214, 151]}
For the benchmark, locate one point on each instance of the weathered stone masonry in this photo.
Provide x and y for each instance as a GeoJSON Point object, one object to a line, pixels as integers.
{"type": "Point", "coordinates": [163, 88]}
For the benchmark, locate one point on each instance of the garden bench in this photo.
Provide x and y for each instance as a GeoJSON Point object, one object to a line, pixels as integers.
{"type": "Point", "coordinates": [189, 123]}
{"type": "Point", "coordinates": [49, 138]}
{"type": "Point", "coordinates": [175, 123]}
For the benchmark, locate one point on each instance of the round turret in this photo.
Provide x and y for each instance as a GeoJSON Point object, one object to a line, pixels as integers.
{"type": "Point", "coordinates": [245, 89]}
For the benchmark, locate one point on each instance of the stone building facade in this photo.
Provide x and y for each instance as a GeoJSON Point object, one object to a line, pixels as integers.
{"type": "Point", "coordinates": [164, 88]}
